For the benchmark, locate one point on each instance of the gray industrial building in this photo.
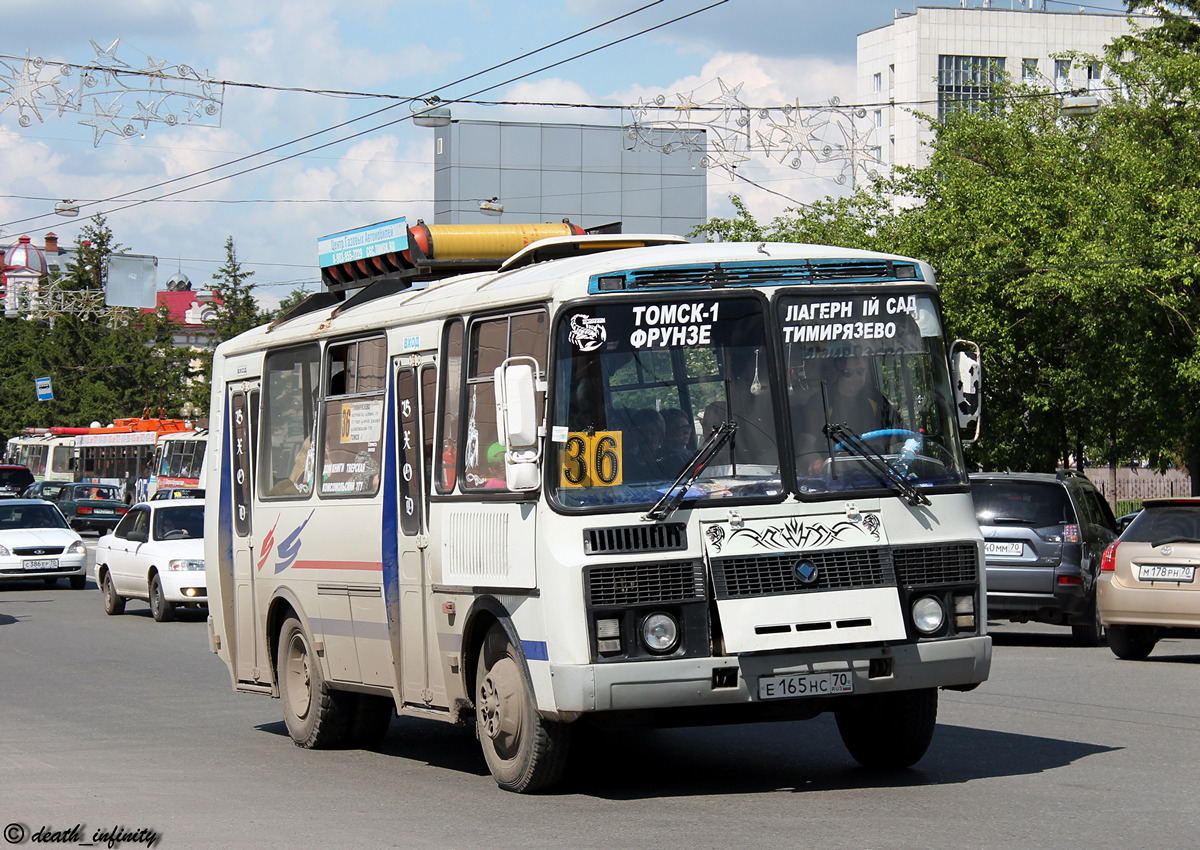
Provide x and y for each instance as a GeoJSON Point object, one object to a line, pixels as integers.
{"type": "Point", "coordinates": [594, 176]}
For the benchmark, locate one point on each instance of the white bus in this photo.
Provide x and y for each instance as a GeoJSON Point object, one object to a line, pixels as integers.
{"type": "Point", "coordinates": [178, 462]}
{"type": "Point", "coordinates": [459, 500]}
{"type": "Point", "coordinates": [49, 456]}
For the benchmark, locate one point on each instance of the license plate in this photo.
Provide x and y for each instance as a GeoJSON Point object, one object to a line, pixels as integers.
{"type": "Point", "coordinates": [996, 547]}
{"type": "Point", "coordinates": [103, 511]}
{"type": "Point", "coordinates": [805, 685]}
{"type": "Point", "coordinates": [44, 564]}
{"type": "Point", "coordinates": [1162, 572]}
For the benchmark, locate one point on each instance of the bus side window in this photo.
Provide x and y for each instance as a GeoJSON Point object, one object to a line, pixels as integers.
{"type": "Point", "coordinates": [287, 463]}
{"type": "Point", "coordinates": [353, 418]}
{"type": "Point", "coordinates": [447, 457]}
{"type": "Point", "coordinates": [493, 340]}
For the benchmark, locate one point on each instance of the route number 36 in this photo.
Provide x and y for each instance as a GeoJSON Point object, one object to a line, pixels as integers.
{"type": "Point", "coordinates": [591, 460]}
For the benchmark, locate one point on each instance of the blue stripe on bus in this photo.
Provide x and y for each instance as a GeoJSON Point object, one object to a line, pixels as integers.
{"type": "Point", "coordinates": [389, 546]}
{"type": "Point", "coordinates": [225, 493]}
{"type": "Point", "coordinates": [535, 650]}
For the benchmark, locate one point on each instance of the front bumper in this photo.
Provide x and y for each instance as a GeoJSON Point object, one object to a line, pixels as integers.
{"type": "Point", "coordinates": [13, 568]}
{"type": "Point", "coordinates": [693, 682]}
{"type": "Point", "coordinates": [177, 583]}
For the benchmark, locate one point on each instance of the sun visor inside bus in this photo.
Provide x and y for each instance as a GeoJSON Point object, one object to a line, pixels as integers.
{"type": "Point", "coordinates": [442, 250]}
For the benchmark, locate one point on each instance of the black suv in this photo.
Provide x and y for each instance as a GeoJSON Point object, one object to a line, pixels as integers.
{"type": "Point", "coordinates": [14, 479]}
{"type": "Point", "coordinates": [1043, 536]}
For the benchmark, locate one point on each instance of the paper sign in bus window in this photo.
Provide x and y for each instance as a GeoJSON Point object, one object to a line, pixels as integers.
{"type": "Point", "coordinates": [361, 421]}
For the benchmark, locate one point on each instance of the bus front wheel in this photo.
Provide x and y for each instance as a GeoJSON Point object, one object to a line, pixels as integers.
{"type": "Point", "coordinates": [316, 716]}
{"type": "Point", "coordinates": [888, 731]}
{"type": "Point", "coordinates": [524, 752]}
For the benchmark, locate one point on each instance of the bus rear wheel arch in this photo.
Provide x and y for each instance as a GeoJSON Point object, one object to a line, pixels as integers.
{"type": "Point", "coordinates": [524, 751]}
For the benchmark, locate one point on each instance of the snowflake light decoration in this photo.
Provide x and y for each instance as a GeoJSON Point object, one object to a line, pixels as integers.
{"type": "Point", "coordinates": [111, 95]}
{"type": "Point", "coordinates": [832, 136]}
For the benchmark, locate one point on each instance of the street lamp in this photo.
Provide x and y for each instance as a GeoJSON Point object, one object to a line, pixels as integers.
{"type": "Point", "coordinates": [1077, 106]}
{"type": "Point", "coordinates": [67, 208]}
{"type": "Point", "coordinates": [431, 115]}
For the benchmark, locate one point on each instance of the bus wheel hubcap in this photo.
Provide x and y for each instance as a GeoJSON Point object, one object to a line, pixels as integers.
{"type": "Point", "coordinates": [500, 704]}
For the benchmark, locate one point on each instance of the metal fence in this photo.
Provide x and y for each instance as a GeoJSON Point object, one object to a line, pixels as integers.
{"type": "Point", "coordinates": [1134, 484]}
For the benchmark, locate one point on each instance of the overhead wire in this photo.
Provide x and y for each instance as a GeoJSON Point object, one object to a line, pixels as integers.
{"type": "Point", "coordinates": [422, 97]}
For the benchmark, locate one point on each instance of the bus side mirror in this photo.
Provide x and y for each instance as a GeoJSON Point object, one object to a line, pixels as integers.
{"type": "Point", "coordinates": [516, 421]}
{"type": "Point", "coordinates": [967, 375]}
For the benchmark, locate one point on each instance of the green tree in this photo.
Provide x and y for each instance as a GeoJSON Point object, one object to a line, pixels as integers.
{"type": "Point", "coordinates": [1066, 248]}
{"type": "Point", "coordinates": [237, 311]}
{"type": "Point", "coordinates": [104, 363]}
{"type": "Point", "coordinates": [291, 300]}
{"type": "Point", "coordinates": [87, 266]}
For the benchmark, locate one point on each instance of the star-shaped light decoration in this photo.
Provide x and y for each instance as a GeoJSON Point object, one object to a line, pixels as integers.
{"type": "Point", "coordinates": [803, 137]}
{"type": "Point", "coordinates": [104, 90]}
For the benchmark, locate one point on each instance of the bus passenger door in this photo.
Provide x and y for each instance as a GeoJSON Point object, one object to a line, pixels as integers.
{"type": "Point", "coordinates": [243, 430]}
{"type": "Point", "coordinates": [412, 632]}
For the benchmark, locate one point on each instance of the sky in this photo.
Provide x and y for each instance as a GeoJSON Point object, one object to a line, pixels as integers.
{"type": "Point", "coordinates": [295, 70]}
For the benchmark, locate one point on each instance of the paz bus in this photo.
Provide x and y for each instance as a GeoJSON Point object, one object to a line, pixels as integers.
{"type": "Point", "coordinates": [442, 498]}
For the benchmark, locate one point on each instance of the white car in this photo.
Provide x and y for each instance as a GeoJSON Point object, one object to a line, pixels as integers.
{"type": "Point", "coordinates": [155, 553]}
{"type": "Point", "coordinates": [36, 542]}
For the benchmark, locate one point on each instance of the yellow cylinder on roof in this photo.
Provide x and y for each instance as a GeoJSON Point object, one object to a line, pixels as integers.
{"type": "Point", "coordinates": [480, 241]}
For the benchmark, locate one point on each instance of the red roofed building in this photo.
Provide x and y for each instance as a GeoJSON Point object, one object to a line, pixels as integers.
{"type": "Point", "coordinates": [192, 309]}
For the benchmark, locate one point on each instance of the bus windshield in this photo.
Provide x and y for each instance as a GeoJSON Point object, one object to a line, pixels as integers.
{"type": "Point", "coordinates": [875, 363]}
{"type": "Point", "coordinates": [641, 384]}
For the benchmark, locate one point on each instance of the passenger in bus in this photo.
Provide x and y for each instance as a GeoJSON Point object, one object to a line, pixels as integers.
{"type": "Point", "coordinates": [643, 443]}
{"type": "Point", "coordinates": [679, 440]}
{"type": "Point", "coordinates": [494, 470]}
{"type": "Point", "coordinates": [299, 479]}
{"type": "Point", "coordinates": [853, 400]}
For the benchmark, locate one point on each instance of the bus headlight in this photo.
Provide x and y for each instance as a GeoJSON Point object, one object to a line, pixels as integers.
{"type": "Point", "coordinates": [660, 632]}
{"type": "Point", "coordinates": [928, 615]}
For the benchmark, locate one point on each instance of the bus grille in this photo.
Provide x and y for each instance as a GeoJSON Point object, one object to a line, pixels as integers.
{"type": "Point", "coordinates": [641, 584]}
{"type": "Point", "coordinates": [954, 563]}
{"type": "Point", "coordinates": [769, 575]}
{"type": "Point", "coordinates": [635, 538]}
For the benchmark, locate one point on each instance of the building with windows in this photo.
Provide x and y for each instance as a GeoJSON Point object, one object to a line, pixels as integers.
{"type": "Point", "coordinates": [937, 58]}
{"type": "Point", "coordinates": [595, 176]}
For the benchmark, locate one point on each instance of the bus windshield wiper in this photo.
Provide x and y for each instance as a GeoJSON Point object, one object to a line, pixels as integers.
{"type": "Point", "coordinates": [845, 436]}
{"type": "Point", "coordinates": [716, 441]}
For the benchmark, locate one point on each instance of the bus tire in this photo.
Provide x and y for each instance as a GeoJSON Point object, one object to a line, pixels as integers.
{"type": "Point", "coordinates": [162, 610]}
{"type": "Point", "coordinates": [371, 719]}
{"type": "Point", "coordinates": [114, 603]}
{"type": "Point", "coordinates": [524, 752]}
{"type": "Point", "coordinates": [316, 716]}
{"type": "Point", "coordinates": [888, 731]}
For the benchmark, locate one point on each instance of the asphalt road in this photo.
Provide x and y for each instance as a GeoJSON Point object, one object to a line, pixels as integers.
{"type": "Point", "coordinates": [121, 724]}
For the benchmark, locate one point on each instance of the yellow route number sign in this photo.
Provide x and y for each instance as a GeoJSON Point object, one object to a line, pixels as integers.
{"type": "Point", "coordinates": [591, 460]}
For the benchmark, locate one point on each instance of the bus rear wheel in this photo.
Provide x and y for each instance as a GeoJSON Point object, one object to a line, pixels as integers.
{"type": "Point", "coordinates": [316, 716]}
{"type": "Point", "coordinates": [524, 752]}
{"type": "Point", "coordinates": [888, 731]}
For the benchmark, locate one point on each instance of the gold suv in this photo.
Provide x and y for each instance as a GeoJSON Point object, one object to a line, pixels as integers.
{"type": "Point", "coordinates": [1147, 589]}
